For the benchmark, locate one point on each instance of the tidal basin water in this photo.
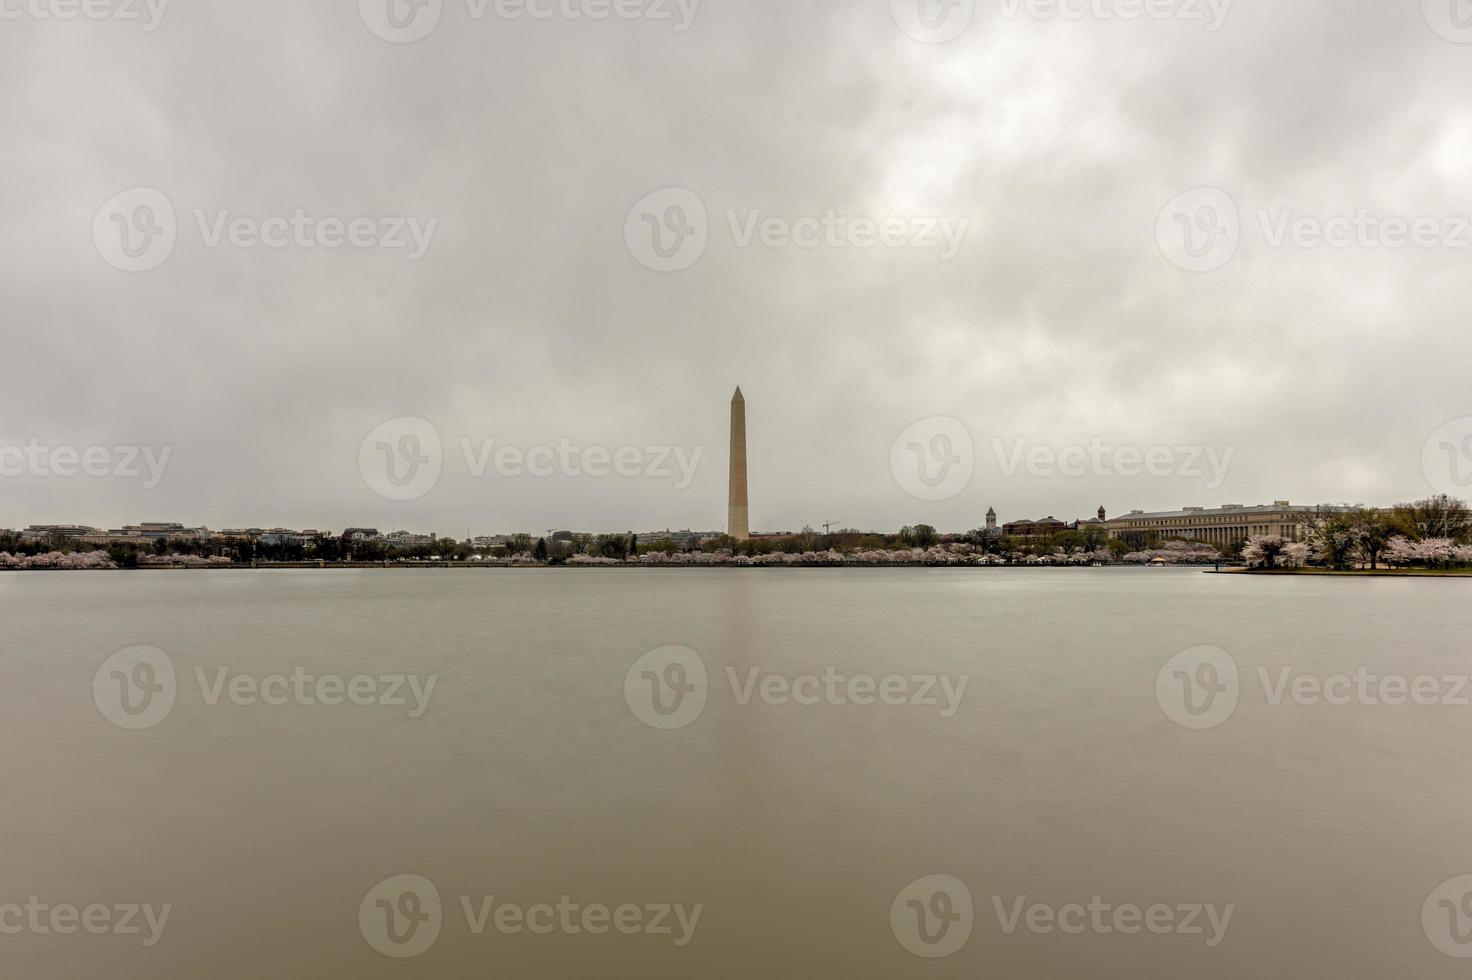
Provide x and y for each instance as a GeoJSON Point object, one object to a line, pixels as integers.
{"type": "Point", "coordinates": [843, 773]}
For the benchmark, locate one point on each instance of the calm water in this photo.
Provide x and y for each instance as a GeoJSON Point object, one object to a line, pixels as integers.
{"type": "Point", "coordinates": [529, 777]}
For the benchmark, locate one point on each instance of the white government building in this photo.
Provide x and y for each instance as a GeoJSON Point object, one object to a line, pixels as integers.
{"type": "Point", "coordinates": [1223, 525]}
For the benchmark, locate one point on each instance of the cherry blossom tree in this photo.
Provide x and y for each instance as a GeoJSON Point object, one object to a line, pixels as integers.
{"type": "Point", "coordinates": [1263, 551]}
{"type": "Point", "coordinates": [1431, 552]}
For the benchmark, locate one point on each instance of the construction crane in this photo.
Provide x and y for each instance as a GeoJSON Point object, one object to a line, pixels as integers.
{"type": "Point", "coordinates": [828, 527]}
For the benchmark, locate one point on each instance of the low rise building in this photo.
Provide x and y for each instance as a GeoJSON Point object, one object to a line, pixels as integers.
{"type": "Point", "coordinates": [40, 532]}
{"type": "Point", "coordinates": [150, 532]}
{"type": "Point", "coordinates": [1046, 527]}
{"type": "Point", "coordinates": [282, 535]}
{"type": "Point", "coordinates": [680, 538]}
{"type": "Point", "coordinates": [404, 539]}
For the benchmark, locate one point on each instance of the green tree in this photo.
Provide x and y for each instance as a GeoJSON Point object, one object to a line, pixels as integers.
{"type": "Point", "coordinates": [1069, 541]}
{"type": "Point", "coordinates": [615, 546]}
{"type": "Point", "coordinates": [1373, 531]}
{"type": "Point", "coordinates": [327, 549]}
{"type": "Point", "coordinates": [1333, 538]}
{"type": "Point", "coordinates": [1441, 516]}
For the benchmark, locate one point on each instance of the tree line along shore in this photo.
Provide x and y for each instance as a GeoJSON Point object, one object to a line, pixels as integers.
{"type": "Point", "coordinates": [1433, 535]}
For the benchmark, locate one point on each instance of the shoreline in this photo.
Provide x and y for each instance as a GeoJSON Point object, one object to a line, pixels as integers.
{"type": "Point", "coordinates": [729, 566]}
{"type": "Point", "coordinates": [1354, 572]}
{"type": "Point", "coordinates": [459, 566]}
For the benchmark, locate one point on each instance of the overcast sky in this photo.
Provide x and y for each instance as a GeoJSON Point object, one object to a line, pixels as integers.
{"type": "Point", "coordinates": [1060, 311]}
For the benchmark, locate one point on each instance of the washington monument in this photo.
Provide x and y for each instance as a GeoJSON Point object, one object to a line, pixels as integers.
{"type": "Point", "coordinates": [738, 524]}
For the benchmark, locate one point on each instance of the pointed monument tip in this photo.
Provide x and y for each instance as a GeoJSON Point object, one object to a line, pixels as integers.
{"type": "Point", "coordinates": [738, 397]}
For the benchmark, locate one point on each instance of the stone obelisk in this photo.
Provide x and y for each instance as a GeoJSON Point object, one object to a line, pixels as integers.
{"type": "Point", "coordinates": [738, 524]}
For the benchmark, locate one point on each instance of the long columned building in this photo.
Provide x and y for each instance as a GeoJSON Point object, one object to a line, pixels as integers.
{"type": "Point", "coordinates": [1225, 525]}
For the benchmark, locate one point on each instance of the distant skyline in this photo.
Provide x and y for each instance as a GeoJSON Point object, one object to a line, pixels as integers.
{"type": "Point", "coordinates": [339, 528]}
{"type": "Point", "coordinates": [1021, 479]}
{"type": "Point", "coordinates": [990, 219]}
